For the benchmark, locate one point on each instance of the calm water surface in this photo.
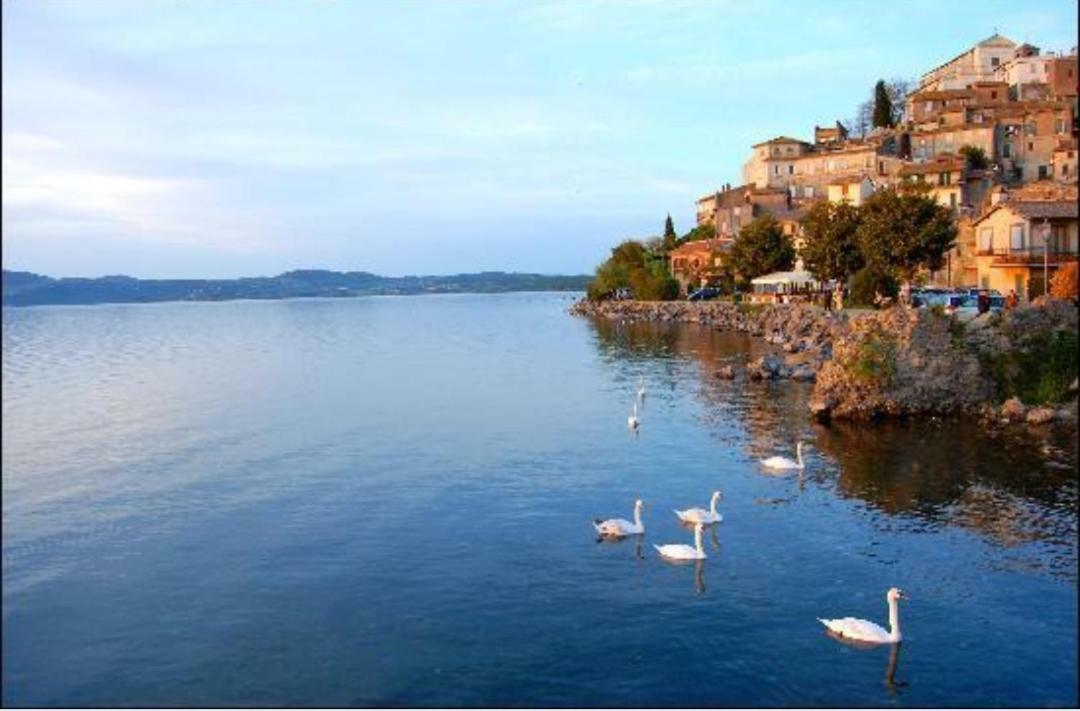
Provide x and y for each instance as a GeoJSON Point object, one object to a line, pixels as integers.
{"type": "Point", "coordinates": [386, 501]}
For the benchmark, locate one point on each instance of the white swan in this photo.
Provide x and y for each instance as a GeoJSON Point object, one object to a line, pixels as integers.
{"type": "Point", "coordinates": [783, 462]}
{"type": "Point", "coordinates": [865, 631]}
{"type": "Point", "coordinates": [698, 515]}
{"type": "Point", "coordinates": [632, 421]}
{"type": "Point", "coordinates": [681, 551]}
{"type": "Point", "coordinates": [641, 388]}
{"type": "Point", "coordinates": [618, 527]}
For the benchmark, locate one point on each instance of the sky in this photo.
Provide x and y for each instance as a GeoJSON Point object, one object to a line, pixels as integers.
{"type": "Point", "coordinates": [168, 138]}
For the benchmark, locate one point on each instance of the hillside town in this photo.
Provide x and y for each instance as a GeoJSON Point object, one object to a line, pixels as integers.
{"type": "Point", "coordinates": [990, 135]}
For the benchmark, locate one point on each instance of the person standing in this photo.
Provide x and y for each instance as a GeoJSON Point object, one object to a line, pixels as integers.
{"type": "Point", "coordinates": [1012, 300]}
{"type": "Point", "coordinates": [983, 301]}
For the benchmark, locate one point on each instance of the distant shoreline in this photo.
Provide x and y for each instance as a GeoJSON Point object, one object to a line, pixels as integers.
{"type": "Point", "coordinates": [28, 289]}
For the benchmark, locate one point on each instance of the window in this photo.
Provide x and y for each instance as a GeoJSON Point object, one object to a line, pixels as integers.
{"type": "Point", "coordinates": [1031, 145]}
{"type": "Point", "coordinates": [994, 61]}
{"type": "Point", "coordinates": [790, 170]}
{"type": "Point", "coordinates": [993, 95]}
{"type": "Point", "coordinates": [1016, 237]}
{"type": "Point", "coordinates": [808, 191]}
{"type": "Point", "coordinates": [1029, 129]}
{"type": "Point", "coordinates": [1042, 172]}
{"type": "Point", "coordinates": [881, 167]}
{"type": "Point", "coordinates": [1064, 169]}
{"type": "Point", "coordinates": [986, 239]}
{"type": "Point", "coordinates": [952, 200]}
{"type": "Point", "coordinates": [929, 106]}
{"type": "Point", "coordinates": [944, 178]}
{"type": "Point", "coordinates": [1059, 126]}
{"type": "Point", "coordinates": [1006, 150]}
{"type": "Point", "coordinates": [776, 170]}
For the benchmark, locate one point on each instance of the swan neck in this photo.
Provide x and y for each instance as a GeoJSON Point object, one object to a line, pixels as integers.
{"type": "Point", "coordinates": [894, 620]}
{"type": "Point", "coordinates": [798, 453]}
{"type": "Point", "coordinates": [712, 506]}
{"type": "Point", "coordinates": [637, 516]}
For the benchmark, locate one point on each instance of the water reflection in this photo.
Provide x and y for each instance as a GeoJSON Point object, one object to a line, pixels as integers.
{"type": "Point", "coordinates": [994, 482]}
{"type": "Point", "coordinates": [1013, 487]}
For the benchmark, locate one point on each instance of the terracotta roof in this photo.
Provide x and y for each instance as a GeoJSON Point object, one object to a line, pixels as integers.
{"type": "Point", "coordinates": [848, 179]}
{"type": "Point", "coordinates": [1037, 210]}
{"type": "Point", "coordinates": [940, 163]}
{"type": "Point", "coordinates": [701, 246]}
{"type": "Point", "coordinates": [943, 94]}
{"type": "Point", "coordinates": [778, 139]}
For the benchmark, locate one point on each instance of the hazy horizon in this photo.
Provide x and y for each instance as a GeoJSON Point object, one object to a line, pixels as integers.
{"type": "Point", "coordinates": [220, 140]}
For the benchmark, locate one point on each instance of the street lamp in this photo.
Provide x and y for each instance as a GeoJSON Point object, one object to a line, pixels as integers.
{"type": "Point", "coordinates": [1046, 256]}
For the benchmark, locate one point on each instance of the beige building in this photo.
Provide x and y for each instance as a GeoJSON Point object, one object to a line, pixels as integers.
{"type": "Point", "coordinates": [1016, 241]}
{"type": "Point", "coordinates": [693, 264]}
{"type": "Point", "coordinates": [944, 177]}
{"type": "Point", "coordinates": [980, 63]}
{"type": "Point", "coordinates": [772, 163]}
{"type": "Point", "coordinates": [853, 189]}
{"type": "Point", "coordinates": [732, 209]}
{"type": "Point", "coordinates": [1064, 160]}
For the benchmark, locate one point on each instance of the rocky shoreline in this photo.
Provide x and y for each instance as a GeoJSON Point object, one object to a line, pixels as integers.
{"type": "Point", "coordinates": [894, 363]}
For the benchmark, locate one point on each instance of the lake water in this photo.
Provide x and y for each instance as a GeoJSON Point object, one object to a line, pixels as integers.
{"type": "Point", "coordinates": [387, 501]}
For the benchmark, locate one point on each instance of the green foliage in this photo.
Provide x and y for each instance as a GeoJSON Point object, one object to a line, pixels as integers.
{"type": "Point", "coordinates": [901, 231]}
{"type": "Point", "coordinates": [633, 266]}
{"type": "Point", "coordinates": [830, 250]}
{"type": "Point", "coordinates": [974, 157]}
{"type": "Point", "coordinates": [761, 248]}
{"type": "Point", "coordinates": [883, 108]}
{"type": "Point", "coordinates": [705, 231]}
{"type": "Point", "coordinates": [1039, 371]}
{"type": "Point", "coordinates": [869, 281]}
{"type": "Point", "coordinates": [875, 359]}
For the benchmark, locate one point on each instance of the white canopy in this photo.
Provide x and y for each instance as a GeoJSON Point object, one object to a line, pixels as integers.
{"type": "Point", "coordinates": [785, 278]}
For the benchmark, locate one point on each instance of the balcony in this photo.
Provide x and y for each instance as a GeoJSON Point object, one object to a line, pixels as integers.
{"type": "Point", "coordinates": [1028, 256]}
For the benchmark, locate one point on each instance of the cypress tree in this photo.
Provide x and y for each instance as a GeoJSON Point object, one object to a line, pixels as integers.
{"type": "Point", "coordinates": [883, 117]}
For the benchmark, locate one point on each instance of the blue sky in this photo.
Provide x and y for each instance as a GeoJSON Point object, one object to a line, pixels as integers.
{"type": "Point", "coordinates": [217, 139]}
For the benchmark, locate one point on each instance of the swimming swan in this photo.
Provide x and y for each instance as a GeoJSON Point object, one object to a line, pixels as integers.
{"type": "Point", "coordinates": [641, 388]}
{"type": "Point", "coordinates": [632, 421]}
{"type": "Point", "coordinates": [866, 631]}
{"type": "Point", "coordinates": [681, 551]}
{"type": "Point", "coordinates": [697, 515]}
{"type": "Point", "coordinates": [783, 462]}
{"type": "Point", "coordinates": [618, 527]}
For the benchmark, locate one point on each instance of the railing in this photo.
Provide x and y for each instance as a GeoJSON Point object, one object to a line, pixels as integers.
{"type": "Point", "coordinates": [1028, 255]}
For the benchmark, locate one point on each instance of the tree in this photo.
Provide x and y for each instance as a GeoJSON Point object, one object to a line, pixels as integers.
{"type": "Point", "coordinates": [883, 109]}
{"type": "Point", "coordinates": [898, 89]}
{"type": "Point", "coordinates": [706, 230]}
{"type": "Point", "coordinates": [975, 157]}
{"type": "Point", "coordinates": [1064, 283]}
{"type": "Point", "coordinates": [859, 124]}
{"type": "Point", "coordinates": [902, 231]}
{"type": "Point", "coordinates": [830, 249]}
{"type": "Point", "coordinates": [631, 265]}
{"type": "Point", "coordinates": [761, 248]}
{"type": "Point", "coordinates": [670, 238]}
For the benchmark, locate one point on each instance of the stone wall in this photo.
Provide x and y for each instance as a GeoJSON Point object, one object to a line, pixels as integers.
{"type": "Point", "coordinates": [893, 363]}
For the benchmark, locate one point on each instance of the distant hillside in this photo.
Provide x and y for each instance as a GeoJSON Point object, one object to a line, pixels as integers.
{"type": "Point", "coordinates": [28, 289]}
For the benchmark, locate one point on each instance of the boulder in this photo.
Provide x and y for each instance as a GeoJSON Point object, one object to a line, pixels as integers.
{"type": "Point", "coordinates": [1040, 415]}
{"type": "Point", "coordinates": [1013, 409]}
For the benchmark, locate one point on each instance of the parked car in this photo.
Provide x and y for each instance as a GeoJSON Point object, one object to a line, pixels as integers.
{"type": "Point", "coordinates": [704, 294]}
{"type": "Point", "coordinates": [966, 307]}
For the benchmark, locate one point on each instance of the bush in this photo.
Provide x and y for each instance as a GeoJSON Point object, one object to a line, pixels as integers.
{"type": "Point", "coordinates": [1064, 283]}
{"type": "Point", "coordinates": [869, 281]}
{"type": "Point", "coordinates": [1040, 370]}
